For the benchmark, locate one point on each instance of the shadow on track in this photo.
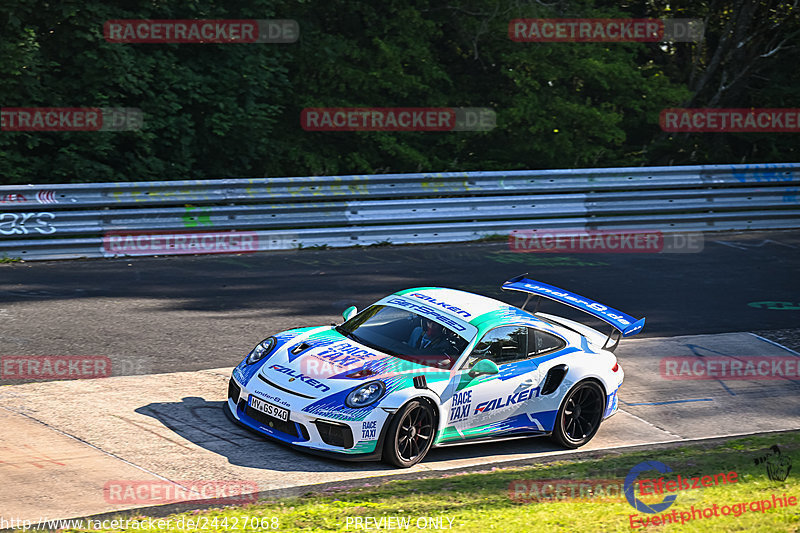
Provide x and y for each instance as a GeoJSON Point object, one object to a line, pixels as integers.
{"type": "Point", "coordinates": [204, 423]}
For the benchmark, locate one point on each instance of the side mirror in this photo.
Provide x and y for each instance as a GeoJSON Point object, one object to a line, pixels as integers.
{"type": "Point", "coordinates": [484, 366]}
{"type": "Point", "coordinates": [349, 313]}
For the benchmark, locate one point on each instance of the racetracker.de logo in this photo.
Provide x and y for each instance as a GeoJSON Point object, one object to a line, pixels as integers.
{"type": "Point", "coordinates": [398, 119]}
{"type": "Point", "coordinates": [54, 367]}
{"type": "Point", "coordinates": [538, 490]}
{"type": "Point", "coordinates": [70, 119]}
{"type": "Point", "coordinates": [201, 31]}
{"type": "Point", "coordinates": [320, 367]}
{"type": "Point", "coordinates": [132, 243]}
{"type": "Point", "coordinates": [730, 368]}
{"type": "Point", "coordinates": [596, 30]}
{"type": "Point", "coordinates": [603, 241]}
{"type": "Point", "coordinates": [702, 120]}
{"type": "Point", "coordinates": [163, 492]}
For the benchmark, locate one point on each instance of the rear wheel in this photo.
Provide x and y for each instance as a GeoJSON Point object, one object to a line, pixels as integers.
{"type": "Point", "coordinates": [410, 434]}
{"type": "Point", "coordinates": [580, 415]}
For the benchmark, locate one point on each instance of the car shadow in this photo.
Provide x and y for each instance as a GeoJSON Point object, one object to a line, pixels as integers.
{"type": "Point", "coordinates": [205, 424]}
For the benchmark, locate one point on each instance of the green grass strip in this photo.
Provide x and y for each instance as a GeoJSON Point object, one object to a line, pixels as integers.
{"type": "Point", "coordinates": [481, 502]}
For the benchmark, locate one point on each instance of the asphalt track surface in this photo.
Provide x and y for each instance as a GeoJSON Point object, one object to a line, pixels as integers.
{"type": "Point", "coordinates": [173, 327]}
{"type": "Point", "coordinates": [170, 314]}
{"type": "Point", "coordinates": [165, 431]}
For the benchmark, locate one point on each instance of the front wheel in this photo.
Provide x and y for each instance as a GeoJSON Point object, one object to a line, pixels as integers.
{"type": "Point", "coordinates": [580, 415]}
{"type": "Point", "coordinates": [410, 435]}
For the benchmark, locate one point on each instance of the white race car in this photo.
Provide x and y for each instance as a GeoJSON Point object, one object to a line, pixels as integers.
{"type": "Point", "coordinates": [430, 367]}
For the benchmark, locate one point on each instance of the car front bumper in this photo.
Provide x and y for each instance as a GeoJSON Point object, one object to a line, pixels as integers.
{"type": "Point", "coordinates": [343, 440]}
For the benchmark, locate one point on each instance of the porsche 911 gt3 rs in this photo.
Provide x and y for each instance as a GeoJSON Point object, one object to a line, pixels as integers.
{"type": "Point", "coordinates": [430, 367]}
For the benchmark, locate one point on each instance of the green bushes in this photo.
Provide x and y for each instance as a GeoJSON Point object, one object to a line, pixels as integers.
{"type": "Point", "coordinates": [233, 110]}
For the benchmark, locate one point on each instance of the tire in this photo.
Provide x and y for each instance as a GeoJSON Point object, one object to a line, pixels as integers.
{"type": "Point", "coordinates": [410, 434]}
{"type": "Point", "coordinates": [580, 415]}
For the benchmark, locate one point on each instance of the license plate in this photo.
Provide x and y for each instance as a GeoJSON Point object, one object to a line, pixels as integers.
{"type": "Point", "coordinates": [269, 409]}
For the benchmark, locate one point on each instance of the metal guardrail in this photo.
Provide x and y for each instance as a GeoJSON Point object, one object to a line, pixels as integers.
{"type": "Point", "coordinates": [244, 215]}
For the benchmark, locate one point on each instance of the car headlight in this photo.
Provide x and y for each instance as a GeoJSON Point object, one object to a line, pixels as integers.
{"type": "Point", "coordinates": [366, 394]}
{"type": "Point", "coordinates": [263, 349]}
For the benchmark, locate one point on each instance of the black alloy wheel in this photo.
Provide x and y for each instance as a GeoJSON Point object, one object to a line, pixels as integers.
{"type": "Point", "coordinates": [580, 415]}
{"type": "Point", "coordinates": [410, 434]}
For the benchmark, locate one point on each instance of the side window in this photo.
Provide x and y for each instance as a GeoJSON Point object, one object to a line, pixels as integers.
{"type": "Point", "coordinates": [501, 345]}
{"type": "Point", "coordinates": [541, 342]}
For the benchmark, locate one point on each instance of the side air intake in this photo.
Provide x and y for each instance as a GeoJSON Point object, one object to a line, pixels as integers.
{"type": "Point", "coordinates": [554, 378]}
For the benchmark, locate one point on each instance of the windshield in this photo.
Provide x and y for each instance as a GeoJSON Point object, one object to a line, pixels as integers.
{"type": "Point", "coordinates": [406, 335]}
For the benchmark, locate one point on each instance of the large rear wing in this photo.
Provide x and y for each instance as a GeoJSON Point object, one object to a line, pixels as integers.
{"type": "Point", "coordinates": [626, 325]}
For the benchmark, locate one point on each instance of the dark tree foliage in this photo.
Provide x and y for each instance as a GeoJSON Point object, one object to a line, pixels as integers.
{"type": "Point", "coordinates": [233, 110]}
